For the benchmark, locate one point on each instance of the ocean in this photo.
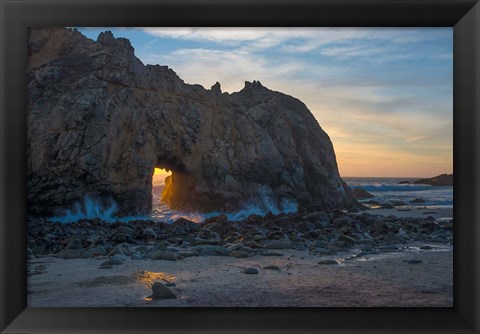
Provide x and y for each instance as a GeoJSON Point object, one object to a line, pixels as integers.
{"type": "Point", "coordinates": [385, 190]}
{"type": "Point", "coordinates": [388, 190]}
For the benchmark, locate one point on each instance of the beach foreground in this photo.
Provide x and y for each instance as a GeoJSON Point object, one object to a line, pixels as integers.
{"type": "Point", "coordinates": [386, 279]}
{"type": "Point", "coordinates": [317, 259]}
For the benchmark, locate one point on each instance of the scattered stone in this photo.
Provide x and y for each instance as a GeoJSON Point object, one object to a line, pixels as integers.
{"type": "Point", "coordinates": [279, 244]}
{"type": "Point", "coordinates": [272, 254]}
{"type": "Point", "coordinates": [327, 262]}
{"type": "Point", "coordinates": [74, 245]}
{"type": "Point", "coordinates": [239, 254]}
{"type": "Point", "coordinates": [234, 247]}
{"type": "Point", "coordinates": [112, 262]}
{"type": "Point", "coordinates": [346, 239]}
{"type": "Point", "coordinates": [272, 267]}
{"type": "Point", "coordinates": [136, 256]}
{"type": "Point", "coordinates": [212, 250]}
{"type": "Point", "coordinates": [183, 254]}
{"type": "Point", "coordinates": [161, 291]}
{"type": "Point", "coordinates": [121, 257]}
{"type": "Point", "coordinates": [72, 254]}
{"type": "Point", "coordinates": [361, 193]}
{"type": "Point", "coordinates": [186, 225]}
{"type": "Point", "coordinates": [97, 251]}
{"type": "Point", "coordinates": [250, 271]}
{"type": "Point", "coordinates": [105, 267]}
{"type": "Point", "coordinates": [414, 261]}
{"type": "Point", "coordinates": [163, 255]}
{"type": "Point", "coordinates": [199, 241]}
{"type": "Point", "coordinates": [417, 200]}
{"type": "Point", "coordinates": [317, 217]}
{"type": "Point", "coordinates": [121, 249]}
{"type": "Point", "coordinates": [149, 233]}
{"type": "Point", "coordinates": [339, 222]}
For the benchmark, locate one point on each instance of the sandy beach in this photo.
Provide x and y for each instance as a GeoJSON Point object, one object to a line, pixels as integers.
{"type": "Point", "coordinates": [385, 279]}
{"type": "Point", "coordinates": [372, 258]}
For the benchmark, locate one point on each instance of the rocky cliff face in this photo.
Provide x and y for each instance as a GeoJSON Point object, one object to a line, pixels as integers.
{"type": "Point", "coordinates": [99, 122]}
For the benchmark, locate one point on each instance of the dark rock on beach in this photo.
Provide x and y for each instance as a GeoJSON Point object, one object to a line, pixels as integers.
{"type": "Point", "coordinates": [417, 200]}
{"type": "Point", "coordinates": [161, 291]}
{"type": "Point", "coordinates": [250, 271]}
{"type": "Point", "coordinates": [328, 262]}
{"type": "Point", "coordinates": [320, 233]}
{"type": "Point", "coordinates": [361, 193]}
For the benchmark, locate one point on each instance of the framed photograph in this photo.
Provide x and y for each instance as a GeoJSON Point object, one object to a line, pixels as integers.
{"type": "Point", "coordinates": [240, 167]}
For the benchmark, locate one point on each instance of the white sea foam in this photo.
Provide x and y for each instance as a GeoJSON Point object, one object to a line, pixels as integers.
{"type": "Point", "coordinates": [91, 208]}
{"type": "Point", "coordinates": [386, 190]}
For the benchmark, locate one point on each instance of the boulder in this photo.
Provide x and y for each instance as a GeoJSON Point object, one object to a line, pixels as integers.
{"type": "Point", "coordinates": [361, 193]}
{"type": "Point", "coordinates": [163, 255]}
{"type": "Point", "coordinates": [279, 244]}
{"type": "Point", "coordinates": [212, 250]}
{"type": "Point", "coordinates": [251, 271]}
{"type": "Point", "coordinates": [161, 291]}
{"type": "Point", "coordinates": [439, 180]}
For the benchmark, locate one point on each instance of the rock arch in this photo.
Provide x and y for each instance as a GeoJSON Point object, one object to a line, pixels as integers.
{"type": "Point", "coordinates": [99, 122]}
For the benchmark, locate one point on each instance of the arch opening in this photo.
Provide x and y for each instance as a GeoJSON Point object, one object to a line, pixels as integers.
{"type": "Point", "coordinates": [161, 186]}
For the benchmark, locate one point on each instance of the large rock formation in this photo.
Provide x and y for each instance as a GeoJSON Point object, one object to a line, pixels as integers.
{"type": "Point", "coordinates": [439, 180]}
{"type": "Point", "coordinates": [99, 122]}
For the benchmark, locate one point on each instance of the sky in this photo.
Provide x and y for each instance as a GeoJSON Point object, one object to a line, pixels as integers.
{"type": "Point", "coordinates": [383, 95]}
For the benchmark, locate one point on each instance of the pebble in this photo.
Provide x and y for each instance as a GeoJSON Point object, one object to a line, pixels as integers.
{"type": "Point", "coordinates": [250, 271]}
{"type": "Point", "coordinates": [272, 267]}
{"type": "Point", "coordinates": [161, 291]}
{"type": "Point", "coordinates": [75, 244]}
{"type": "Point", "coordinates": [136, 256]}
{"type": "Point", "coordinates": [279, 244]}
{"type": "Point", "coordinates": [235, 247]}
{"type": "Point", "coordinates": [414, 261]}
{"type": "Point", "coordinates": [239, 254]}
{"type": "Point", "coordinates": [105, 267]}
{"type": "Point", "coordinates": [273, 254]}
{"type": "Point", "coordinates": [212, 250]}
{"type": "Point", "coordinates": [112, 262]}
{"type": "Point", "coordinates": [328, 261]}
{"type": "Point", "coordinates": [121, 257]}
{"type": "Point", "coordinates": [163, 255]}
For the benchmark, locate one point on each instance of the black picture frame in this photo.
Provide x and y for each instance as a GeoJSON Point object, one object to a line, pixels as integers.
{"type": "Point", "coordinates": [462, 15]}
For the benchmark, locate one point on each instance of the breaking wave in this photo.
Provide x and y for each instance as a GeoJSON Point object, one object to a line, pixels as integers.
{"type": "Point", "coordinates": [106, 210]}
{"type": "Point", "coordinates": [90, 208]}
{"type": "Point", "coordinates": [383, 187]}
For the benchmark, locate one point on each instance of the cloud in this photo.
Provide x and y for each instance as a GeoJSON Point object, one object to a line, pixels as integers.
{"type": "Point", "coordinates": [230, 68]}
{"type": "Point", "coordinates": [299, 40]}
{"type": "Point", "coordinates": [384, 96]}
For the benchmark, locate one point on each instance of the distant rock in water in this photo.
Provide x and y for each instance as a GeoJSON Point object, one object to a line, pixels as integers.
{"type": "Point", "coordinates": [361, 193]}
{"type": "Point", "coordinates": [440, 180]}
{"type": "Point", "coordinates": [404, 182]}
{"type": "Point", "coordinates": [100, 121]}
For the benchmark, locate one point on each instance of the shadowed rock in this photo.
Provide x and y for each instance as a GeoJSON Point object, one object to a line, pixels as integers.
{"type": "Point", "coordinates": [439, 180]}
{"type": "Point", "coordinates": [99, 122]}
{"type": "Point", "coordinates": [160, 291]}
